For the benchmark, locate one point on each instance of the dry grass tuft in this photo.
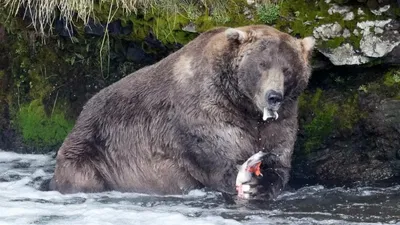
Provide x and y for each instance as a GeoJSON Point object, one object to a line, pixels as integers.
{"type": "Point", "coordinates": [44, 12]}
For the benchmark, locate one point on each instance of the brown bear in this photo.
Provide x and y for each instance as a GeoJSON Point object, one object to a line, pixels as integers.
{"type": "Point", "coordinates": [187, 121]}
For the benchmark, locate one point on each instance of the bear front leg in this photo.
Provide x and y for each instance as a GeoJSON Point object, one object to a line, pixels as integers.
{"type": "Point", "coordinates": [213, 171]}
{"type": "Point", "coordinates": [277, 139]}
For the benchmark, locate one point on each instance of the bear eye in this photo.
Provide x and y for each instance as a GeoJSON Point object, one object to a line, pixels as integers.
{"type": "Point", "coordinates": [264, 65]}
{"type": "Point", "coordinates": [287, 74]}
{"type": "Point", "coordinates": [285, 71]}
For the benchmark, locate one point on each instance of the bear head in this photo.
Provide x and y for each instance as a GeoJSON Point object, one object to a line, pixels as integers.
{"type": "Point", "coordinates": [271, 67]}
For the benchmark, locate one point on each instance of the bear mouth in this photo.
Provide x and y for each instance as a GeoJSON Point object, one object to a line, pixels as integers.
{"type": "Point", "coordinates": [268, 113]}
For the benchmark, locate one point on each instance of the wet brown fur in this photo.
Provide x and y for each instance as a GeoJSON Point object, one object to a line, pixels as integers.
{"type": "Point", "coordinates": [170, 128]}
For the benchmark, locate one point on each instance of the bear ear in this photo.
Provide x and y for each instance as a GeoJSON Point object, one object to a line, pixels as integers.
{"type": "Point", "coordinates": [233, 34]}
{"type": "Point", "coordinates": [308, 44]}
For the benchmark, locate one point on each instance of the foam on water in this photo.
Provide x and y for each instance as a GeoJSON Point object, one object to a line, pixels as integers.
{"type": "Point", "coordinates": [22, 203]}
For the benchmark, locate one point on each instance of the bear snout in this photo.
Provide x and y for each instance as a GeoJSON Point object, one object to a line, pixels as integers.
{"type": "Point", "coordinates": [272, 102]}
{"type": "Point", "coordinates": [274, 99]}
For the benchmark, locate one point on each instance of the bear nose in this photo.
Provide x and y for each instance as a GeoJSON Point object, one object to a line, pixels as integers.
{"type": "Point", "coordinates": [274, 98]}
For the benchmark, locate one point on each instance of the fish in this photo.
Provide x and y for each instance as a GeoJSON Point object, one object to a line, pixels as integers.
{"type": "Point", "coordinates": [246, 171]}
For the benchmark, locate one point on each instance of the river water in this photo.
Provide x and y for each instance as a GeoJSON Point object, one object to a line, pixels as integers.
{"type": "Point", "coordinates": [22, 203]}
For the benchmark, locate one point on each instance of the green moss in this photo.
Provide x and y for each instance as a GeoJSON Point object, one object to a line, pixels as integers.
{"type": "Point", "coordinates": [39, 87]}
{"type": "Point", "coordinates": [392, 78]}
{"type": "Point", "coordinates": [333, 43]}
{"type": "Point", "coordinates": [320, 127]}
{"type": "Point", "coordinates": [321, 116]}
{"type": "Point", "coordinates": [322, 122]}
{"type": "Point", "coordinates": [295, 15]}
{"type": "Point", "coordinates": [387, 86]}
{"type": "Point", "coordinates": [395, 10]}
{"type": "Point", "coordinates": [349, 114]}
{"type": "Point", "coordinates": [39, 129]}
{"type": "Point", "coordinates": [268, 13]}
{"type": "Point", "coordinates": [355, 41]}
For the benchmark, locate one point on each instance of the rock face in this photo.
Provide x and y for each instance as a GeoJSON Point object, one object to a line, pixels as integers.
{"type": "Point", "coordinates": [342, 141]}
{"type": "Point", "coordinates": [371, 155]}
{"type": "Point", "coordinates": [365, 147]}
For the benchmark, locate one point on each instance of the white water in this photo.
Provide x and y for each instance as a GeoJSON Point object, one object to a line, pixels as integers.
{"type": "Point", "coordinates": [22, 203]}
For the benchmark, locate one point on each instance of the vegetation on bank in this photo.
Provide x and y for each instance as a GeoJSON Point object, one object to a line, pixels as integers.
{"type": "Point", "coordinates": [336, 112]}
{"type": "Point", "coordinates": [323, 115]}
{"type": "Point", "coordinates": [38, 128]}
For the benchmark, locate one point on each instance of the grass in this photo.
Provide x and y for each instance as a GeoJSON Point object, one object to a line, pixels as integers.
{"type": "Point", "coordinates": [44, 12]}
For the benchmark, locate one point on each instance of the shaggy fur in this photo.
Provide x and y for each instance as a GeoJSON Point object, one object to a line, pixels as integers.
{"type": "Point", "coordinates": [187, 121]}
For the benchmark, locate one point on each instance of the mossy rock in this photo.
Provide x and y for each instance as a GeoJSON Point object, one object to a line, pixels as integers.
{"type": "Point", "coordinates": [322, 115]}
{"type": "Point", "coordinates": [388, 86]}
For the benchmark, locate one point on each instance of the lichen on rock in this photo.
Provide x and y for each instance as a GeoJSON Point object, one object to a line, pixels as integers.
{"type": "Point", "coordinates": [328, 31]}
{"type": "Point", "coordinates": [377, 44]}
{"type": "Point", "coordinates": [345, 55]}
{"type": "Point", "coordinates": [361, 35]}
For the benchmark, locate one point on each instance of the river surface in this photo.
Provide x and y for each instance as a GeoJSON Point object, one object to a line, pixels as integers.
{"type": "Point", "coordinates": [22, 203]}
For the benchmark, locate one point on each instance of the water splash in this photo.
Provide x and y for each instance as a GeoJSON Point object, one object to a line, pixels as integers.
{"type": "Point", "coordinates": [22, 203]}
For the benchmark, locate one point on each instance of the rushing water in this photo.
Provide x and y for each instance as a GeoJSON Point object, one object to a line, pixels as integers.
{"type": "Point", "coordinates": [22, 203]}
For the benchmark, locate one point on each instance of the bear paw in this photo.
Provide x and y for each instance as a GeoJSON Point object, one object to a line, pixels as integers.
{"type": "Point", "coordinates": [250, 190]}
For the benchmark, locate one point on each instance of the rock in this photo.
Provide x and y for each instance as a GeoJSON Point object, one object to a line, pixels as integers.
{"type": "Point", "coordinates": [320, 62]}
{"type": "Point", "coordinates": [381, 10]}
{"type": "Point", "coordinates": [370, 155]}
{"type": "Point", "coordinates": [349, 16]}
{"type": "Point", "coordinates": [191, 27]}
{"type": "Point", "coordinates": [346, 33]}
{"type": "Point", "coordinates": [379, 38]}
{"type": "Point", "coordinates": [307, 23]}
{"type": "Point", "coordinates": [94, 28]}
{"type": "Point", "coordinates": [116, 28]}
{"type": "Point", "coordinates": [339, 9]}
{"type": "Point", "coordinates": [154, 43]}
{"type": "Point", "coordinates": [384, 125]}
{"type": "Point", "coordinates": [393, 57]}
{"type": "Point", "coordinates": [251, 2]}
{"type": "Point", "coordinates": [63, 29]}
{"type": "Point", "coordinates": [136, 54]}
{"type": "Point", "coordinates": [345, 11]}
{"type": "Point", "coordinates": [378, 30]}
{"type": "Point", "coordinates": [247, 12]}
{"type": "Point", "coordinates": [372, 4]}
{"type": "Point", "coordinates": [345, 55]}
{"type": "Point", "coordinates": [376, 46]}
{"type": "Point", "coordinates": [366, 25]}
{"type": "Point", "coordinates": [373, 46]}
{"type": "Point", "coordinates": [328, 31]}
{"type": "Point", "coordinates": [2, 34]}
